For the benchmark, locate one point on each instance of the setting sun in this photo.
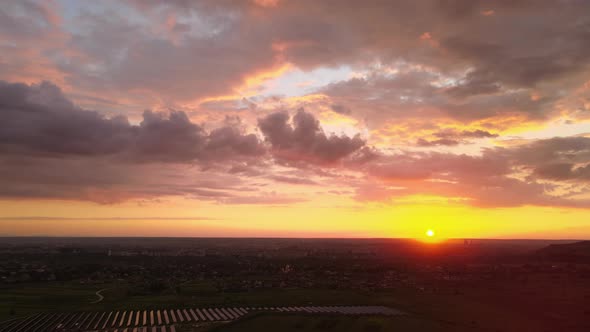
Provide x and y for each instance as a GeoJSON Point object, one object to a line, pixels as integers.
{"type": "Point", "coordinates": [277, 165]}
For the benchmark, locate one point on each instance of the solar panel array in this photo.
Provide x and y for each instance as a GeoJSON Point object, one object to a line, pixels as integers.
{"type": "Point", "coordinates": [343, 310]}
{"type": "Point", "coordinates": [163, 320]}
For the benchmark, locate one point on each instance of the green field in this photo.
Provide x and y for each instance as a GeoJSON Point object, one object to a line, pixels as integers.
{"type": "Point", "coordinates": [24, 299]}
{"type": "Point", "coordinates": [302, 322]}
{"type": "Point", "coordinates": [534, 304]}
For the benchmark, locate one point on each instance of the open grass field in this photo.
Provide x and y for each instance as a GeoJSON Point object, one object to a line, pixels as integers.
{"type": "Point", "coordinates": [200, 294]}
{"type": "Point", "coordinates": [25, 299]}
{"type": "Point", "coordinates": [303, 322]}
{"type": "Point", "coordinates": [541, 303]}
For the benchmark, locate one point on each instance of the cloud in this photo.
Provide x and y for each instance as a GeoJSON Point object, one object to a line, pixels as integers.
{"type": "Point", "coordinates": [472, 85]}
{"type": "Point", "coordinates": [559, 158]}
{"type": "Point", "coordinates": [39, 119]}
{"type": "Point", "coordinates": [414, 97]}
{"type": "Point", "coordinates": [52, 149]}
{"type": "Point", "coordinates": [207, 51]}
{"type": "Point", "coordinates": [302, 138]}
{"type": "Point", "coordinates": [152, 52]}
{"type": "Point", "coordinates": [557, 149]}
{"type": "Point", "coordinates": [558, 171]}
{"type": "Point", "coordinates": [415, 69]}
{"type": "Point", "coordinates": [340, 109]}
{"type": "Point", "coordinates": [293, 180]}
{"type": "Point", "coordinates": [271, 198]}
{"type": "Point", "coordinates": [26, 19]}
{"type": "Point", "coordinates": [41, 218]}
{"type": "Point", "coordinates": [454, 137]}
{"type": "Point", "coordinates": [437, 142]}
{"type": "Point", "coordinates": [534, 173]}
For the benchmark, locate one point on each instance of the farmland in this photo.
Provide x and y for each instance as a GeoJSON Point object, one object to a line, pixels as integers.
{"type": "Point", "coordinates": [162, 319]}
{"type": "Point", "coordinates": [302, 323]}
{"type": "Point", "coordinates": [463, 290]}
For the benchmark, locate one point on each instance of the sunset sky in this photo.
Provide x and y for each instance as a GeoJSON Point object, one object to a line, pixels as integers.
{"type": "Point", "coordinates": [295, 118]}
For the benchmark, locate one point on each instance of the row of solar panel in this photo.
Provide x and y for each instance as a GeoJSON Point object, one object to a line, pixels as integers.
{"type": "Point", "coordinates": [82, 321]}
{"type": "Point", "coordinates": [348, 310]}
{"type": "Point", "coordinates": [103, 320]}
{"type": "Point", "coordinates": [378, 310]}
{"type": "Point", "coordinates": [171, 328]}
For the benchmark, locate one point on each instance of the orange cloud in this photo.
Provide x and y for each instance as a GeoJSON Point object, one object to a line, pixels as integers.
{"type": "Point", "coordinates": [267, 3]}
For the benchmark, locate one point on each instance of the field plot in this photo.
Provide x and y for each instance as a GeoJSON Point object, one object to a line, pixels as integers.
{"type": "Point", "coordinates": [296, 322]}
{"type": "Point", "coordinates": [32, 298]}
{"type": "Point", "coordinates": [132, 321]}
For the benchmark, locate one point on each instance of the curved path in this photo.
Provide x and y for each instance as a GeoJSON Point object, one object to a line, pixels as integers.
{"type": "Point", "coordinates": [100, 297]}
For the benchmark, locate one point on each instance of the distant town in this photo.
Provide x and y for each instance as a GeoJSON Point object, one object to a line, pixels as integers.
{"type": "Point", "coordinates": [129, 273]}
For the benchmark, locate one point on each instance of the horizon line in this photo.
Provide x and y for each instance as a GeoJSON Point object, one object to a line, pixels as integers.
{"type": "Point", "coordinates": [286, 238]}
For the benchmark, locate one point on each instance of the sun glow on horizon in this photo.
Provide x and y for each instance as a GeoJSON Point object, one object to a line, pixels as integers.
{"type": "Point", "coordinates": [430, 236]}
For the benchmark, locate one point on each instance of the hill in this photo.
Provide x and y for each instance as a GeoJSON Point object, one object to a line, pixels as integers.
{"type": "Point", "coordinates": [571, 252]}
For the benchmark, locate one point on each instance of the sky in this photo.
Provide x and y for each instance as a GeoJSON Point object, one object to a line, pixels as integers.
{"type": "Point", "coordinates": [277, 118]}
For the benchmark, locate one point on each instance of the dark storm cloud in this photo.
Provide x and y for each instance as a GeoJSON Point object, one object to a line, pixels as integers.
{"type": "Point", "coordinates": [39, 119]}
{"type": "Point", "coordinates": [52, 149]}
{"type": "Point", "coordinates": [302, 138]}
